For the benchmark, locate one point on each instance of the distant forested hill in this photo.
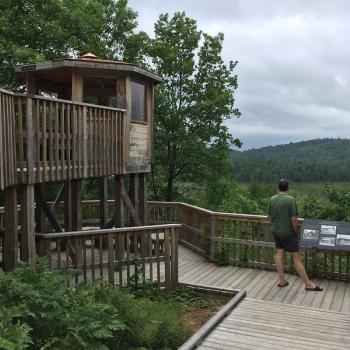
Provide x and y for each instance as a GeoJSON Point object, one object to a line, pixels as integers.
{"type": "Point", "coordinates": [315, 160]}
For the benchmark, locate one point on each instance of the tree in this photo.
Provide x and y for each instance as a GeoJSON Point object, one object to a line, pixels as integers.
{"type": "Point", "coordinates": [36, 30]}
{"type": "Point", "coordinates": [196, 97]}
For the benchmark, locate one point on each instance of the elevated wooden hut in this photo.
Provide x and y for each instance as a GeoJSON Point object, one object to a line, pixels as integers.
{"type": "Point", "coordinates": [80, 118]}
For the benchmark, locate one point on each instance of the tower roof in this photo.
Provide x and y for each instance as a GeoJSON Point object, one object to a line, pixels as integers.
{"type": "Point", "coordinates": [87, 61]}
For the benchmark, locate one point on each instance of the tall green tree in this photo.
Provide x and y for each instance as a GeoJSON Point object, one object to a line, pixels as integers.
{"type": "Point", "coordinates": [34, 30]}
{"type": "Point", "coordinates": [191, 105]}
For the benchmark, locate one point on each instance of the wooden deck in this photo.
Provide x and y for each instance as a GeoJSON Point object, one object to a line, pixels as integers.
{"type": "Point", "coordinates": [261, 284]}
{"type": "Point", "coordinates": [259, 324]}
{"type": "Point", "coordinates": [271, 317]}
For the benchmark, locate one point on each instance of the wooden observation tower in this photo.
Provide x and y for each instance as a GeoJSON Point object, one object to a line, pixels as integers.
{"type": "Point", "coordinates": [81, 118]}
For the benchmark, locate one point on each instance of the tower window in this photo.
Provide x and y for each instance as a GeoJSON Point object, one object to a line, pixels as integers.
{"type": "Point", "coordinates": [138, 102]}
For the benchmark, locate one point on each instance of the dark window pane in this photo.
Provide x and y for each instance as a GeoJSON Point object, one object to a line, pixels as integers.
{"type": "Point", "coordinates": [138, 110]}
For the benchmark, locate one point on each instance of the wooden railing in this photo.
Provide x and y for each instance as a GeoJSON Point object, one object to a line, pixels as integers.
{"type": "Point", "coordinates": [7, 140]}
{"type": "Point", "coordinates": [120, 256]}
{"type": "Point", "coordinates": [45, 139]}
{"type": "Point", "coordinates": [242, 239]}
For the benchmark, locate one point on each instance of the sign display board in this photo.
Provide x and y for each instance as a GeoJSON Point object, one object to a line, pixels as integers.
{"type": "Point", "coordinates": [325, 234]}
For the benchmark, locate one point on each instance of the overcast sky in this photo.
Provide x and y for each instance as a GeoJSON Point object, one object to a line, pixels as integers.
{"type": "Point", "coordinates": [294, 63]}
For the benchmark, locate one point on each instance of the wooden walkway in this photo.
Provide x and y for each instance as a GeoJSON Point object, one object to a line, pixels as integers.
{"type": "Point", "coordinates": [271, 317]}
{"type": "Point", "coordinates": [261, 284]}
{"type": "Point", "coordinates": [259, 324]}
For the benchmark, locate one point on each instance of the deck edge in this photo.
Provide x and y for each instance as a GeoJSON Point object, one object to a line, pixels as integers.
{"type": "Point", "coordinates": [201, 334]}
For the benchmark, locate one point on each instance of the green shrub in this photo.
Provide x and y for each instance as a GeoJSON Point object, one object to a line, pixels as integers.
{"type": "Point", "coordinates": [40, 311]}
{"type": "Point", "coordinates": [187, 297]}
{"type": "Point", "coordinates": [222, 255]}
{"type": "Point", "coordinates": [14, 335]}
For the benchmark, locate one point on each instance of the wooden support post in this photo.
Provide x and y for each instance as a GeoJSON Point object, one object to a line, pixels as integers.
{"type": "Point", "coordinates": [119, 202]}
{"type": "Point", "coordinates": [174, 257]}
{"type": "Point", "coordinates": [11, 229]}
{"type": "Point", "coordinates": [213, 234]}
{"type": "Point", "coordinates": [103, 189]}
{"type": "Point", "coordinates": [134, 194]}
{"type": "Point", "coordinates": [40, 218]}
{"type": "Point", "coordinates": [30, 149]}
{"type": "Point", "coordinates": [143, 210]}
{"type": "Point", "coordinates": [42, 205]}
{"type": "Point", "coordinates": [27, 224]}
{"type": "Point", "coordinates": [119, 216]}
{"type": "Point", "coordinates": [135, 220]}
{"type": "Point", "coordinates": [76, 205]}
{"type": "Point", "coordinates": [68, 224]}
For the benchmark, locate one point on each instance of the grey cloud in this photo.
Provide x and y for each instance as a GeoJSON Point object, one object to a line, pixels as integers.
{"type": "Point", "coordinates": [293, 71]}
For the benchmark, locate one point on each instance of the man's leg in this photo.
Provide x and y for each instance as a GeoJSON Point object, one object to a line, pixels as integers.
{"type": "Point", "coordinates": [280, 266]}
{"type": "Point", "coordinates": [301, 270]}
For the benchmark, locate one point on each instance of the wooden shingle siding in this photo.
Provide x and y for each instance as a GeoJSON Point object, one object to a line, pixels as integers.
{"type": "Point", "coordinates": [140, 142]}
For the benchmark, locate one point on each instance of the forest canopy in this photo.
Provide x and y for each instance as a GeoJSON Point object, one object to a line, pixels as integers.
{"type": "Point", "coordinates": [322, 160]}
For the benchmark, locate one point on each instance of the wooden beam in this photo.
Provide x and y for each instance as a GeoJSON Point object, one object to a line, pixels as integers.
{"type": "Point", "coordinates": [143, 194]}
{"type": "Point", "coordinates": [134, 194]}
{"type": "Point", "coordinates": [58, 199]}
{"type": "Point", "coordinates": [27, 224]}
{"type": "Point", "coordinates": [131, 209]}
{"type": "Point", "coordinates": [103, 194]}
{"type": "Point", "coordinates": [120, 88]}
{"type": "Point", "coordinates": [11, 229]}
{"type": "Point", "coordinates": [77, 86]}
{"type": "Point", "coordinates": [31, 83]}
{"type": "Point", "coordinates": [30, 149]}
{"type": "Point", "coordinates": [68, 206]}
{"type": "Point", "coordinates": [119, 204]}
{"type": "Point", "coordinates": [41, 202]}
{"type": "Point", "coordinates": [76, 205]}
{"type": "Point", "coordinates": [2, 163]}
{"type": "Point", "coordinates": [127, 126]}
{"type": "Point", "coordinates": [40, 218]}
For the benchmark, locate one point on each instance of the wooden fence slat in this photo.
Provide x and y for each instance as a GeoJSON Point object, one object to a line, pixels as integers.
{"type": "Point", "coordinates": [51, 145]}
{"type": "Point", "coordinates": [2, 163]}
{"type": "Point", "coordinates": [44, 141]}
{"type": "Point", "coordinates": [84, 142]}
{"type": "Point", "coordinates": [57, 149]}
{"type": "Point", "coordinates": [167, 259]}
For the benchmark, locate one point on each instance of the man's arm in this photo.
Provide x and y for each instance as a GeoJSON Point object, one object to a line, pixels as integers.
{"type": "Point", "coordinates": [294, 221]}
{"type": "Point", "coordinates": [294, 216]}
{"type": "Point", "coordinates": [269, 218]}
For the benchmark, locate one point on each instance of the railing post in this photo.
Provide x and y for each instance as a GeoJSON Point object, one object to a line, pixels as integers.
{"type": "Point", "coordinates": [27, 224]}
{"type": "Point", "coordinates": [85, 141]}
{"type": "Point", "coordinates": [2, 164]}
{"type": "Point", "coordinates": [11, 229]}
{"type": "Point", "coordinates": [167, 253]}
{"type": "Point", "coordinates": [213, 234]}
{"type": "Point", "coordinates": [30, 140]}
{"type": "Point", "coordinates": [180, 211]}
{"type": "Point", "coordinates": [110, 260]}
{"type": "Point", "coordinates": [174, 257]}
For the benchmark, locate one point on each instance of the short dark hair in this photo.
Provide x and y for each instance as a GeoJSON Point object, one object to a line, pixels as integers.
{"type": "Point", "coordinates": [283, 185]}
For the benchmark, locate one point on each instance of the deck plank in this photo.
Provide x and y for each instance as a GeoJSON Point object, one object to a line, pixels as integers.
{"type": "Point", "coordinates": [260, 284]}
{"type": "Point", "coordinates": [258, 324]}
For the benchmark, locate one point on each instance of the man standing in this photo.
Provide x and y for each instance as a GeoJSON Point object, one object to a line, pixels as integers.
{"type": "Point", "coordinates": [282, 213]}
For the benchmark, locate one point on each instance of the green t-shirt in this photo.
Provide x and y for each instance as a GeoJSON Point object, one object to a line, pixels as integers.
{"type": "Point", "coordinates": [281, 208]}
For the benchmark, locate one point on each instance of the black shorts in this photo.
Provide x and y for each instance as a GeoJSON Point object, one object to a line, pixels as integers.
{"type": "Point", "coordinates": [288, 243]}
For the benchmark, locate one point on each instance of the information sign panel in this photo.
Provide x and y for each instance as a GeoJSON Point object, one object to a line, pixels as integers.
{"type": "Point", "coordinates": [325, 234]}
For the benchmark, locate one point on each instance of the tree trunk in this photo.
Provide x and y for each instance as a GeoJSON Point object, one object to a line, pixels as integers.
{"type": "Point", "coordinates": [169, 191]}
